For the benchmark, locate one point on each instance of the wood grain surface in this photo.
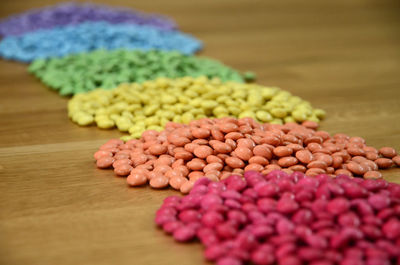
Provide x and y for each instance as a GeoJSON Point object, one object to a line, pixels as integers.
{"type": "Point", "coordinates": [57, 208]}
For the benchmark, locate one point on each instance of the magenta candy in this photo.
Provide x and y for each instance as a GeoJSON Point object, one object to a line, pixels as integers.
{"type": "Point", "coordinates": [354, 253]}
{"type": "Point", "coordinates": [266, 205]}
{"type": "Point", "coordinates": [282, 239]}
{"type": "Point", "coordinates": [353, 190]}
{"type": "Point", "coordinates": [316, 241]}
{"type": "Point", "coordinates": [284, 226]}
{"type": "Point", "coordinates": [302, 231]}
{"type": "Point", "coordinates": [386, 213]}
{"type": "Point", "coordinates": [199, 189]}
{"type": "Point", "coordinates": [309, 253]}
{"type": "Point", "coordinates": [237, 184]}
{"type": "Point", "coordinates": [333, 255]}
{"type": "Point", "coordinates": [233, 204]}
{"type": "Point", "coordinates": [321, 262]}
{"type": "Point", "coordinates": [163, 219]}
{"type": "Point", "coordinates": [231, 194]}
{"type": "Point", "coordinates": [323, 192]}
{"type": "Point", "coordinates": [261, 257]}
{"type": "Point", "coordinates": [338, 206]}
{"type": "Point", "coordinates": [229, 261]}
{"type": "Point", "coordinates": [188, 216]}
{"type": "Point", "coordinates": [184, 233]}
{"type": "Point", "coordinates": [391, 228]}
{"type": "Point", "coordinates": [303, 216]}
{"type": "Point", "coordinates": [371, 231]}
{"type": "Point", "coordinates": [362, 206]}
{"type": "Point", "coordinates": [376, 261]}
{"type": "Point", "coordinates": [322, 223]}
{"type": "Point", "coordinates": [378, 201]}
{"type": "Point", "coordinates": [372, 220]}
{"type": "Point", "coordinates": [288, 220]}
{"type": "Point", "coordinates": [210, 200]}
{"type": "Point", "coordinates": [170, 227]}
{"type": "Point", "coordinates": [209, 239]}
{"type": "Point", "coordinates": [248, 207]}
{"type": "Point", "coordinates": [287, 205]}
{"type": "Point", "coordinates": [304, 195]}
{"type": "Point", "coordinates": [349, 219]}
{"type": "Point", "coordinates": [250, 192]}
{"type": "Point", "coordinates": [266, 190]}
{"type": "Point", "coordinates": [237, 216]}
{"type": "Point", "coordinates": [326, 232]}
{"type": "Point", "coordinates": [215, 252]}
{"type": "Point", "coordinates": [202, 182]}
{"type": "Point", "coordinates": [226, 230]}
{"type": "Point", "coordinates": [290, 260]}
{"type": "Point", "coordinates": [285, 249]}
{"type": "Point", "coordinates": [262, 231]}
{"type": "Point", "coordinates": [212, 219]}
{"type": "Point", "coordinates": [239, 253]}
{"type": "Point", "coordinates": [390, 248]}
{"type": "Point", "coordinates": [285, 185]}
{"type": "Point", "coordinates": [352, 261]}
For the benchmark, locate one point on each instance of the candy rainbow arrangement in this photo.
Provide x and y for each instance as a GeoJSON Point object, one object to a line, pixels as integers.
{"type": "Point", "coordinates": [258, 182]}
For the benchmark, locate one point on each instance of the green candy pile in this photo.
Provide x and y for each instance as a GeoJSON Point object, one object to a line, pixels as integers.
{"type": "Point", "coordinates": [84, 72]}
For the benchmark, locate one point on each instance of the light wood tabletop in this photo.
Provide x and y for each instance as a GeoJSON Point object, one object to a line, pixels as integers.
{"type": "Point", "coordinates": [57, 208]}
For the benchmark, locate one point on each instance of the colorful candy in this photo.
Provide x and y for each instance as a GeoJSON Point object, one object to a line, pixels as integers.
{"type": "Point", "coordinates": [106, 69]}
{"type": "Point", "coordinates": [89, 36]}
{"type": "Point", "coordinates": [288, 219]}
{"type": "Point", "coordinates": [216, 148]}
{"type": "Point", "coordinates": [150, 105]}
{"type": "Point", "coordinates": [74, 13]}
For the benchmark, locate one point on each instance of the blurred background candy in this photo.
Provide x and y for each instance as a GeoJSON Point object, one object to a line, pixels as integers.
{"type": "Point", "coordinates": [74, 13]}
{"type": "Point", "coordinates": [106, 69]}
{"type": "Point", "coordinates": [89, 36]}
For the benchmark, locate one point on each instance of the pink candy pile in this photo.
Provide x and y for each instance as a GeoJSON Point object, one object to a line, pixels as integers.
{"type": "Point", "coordinates": [289, 219]}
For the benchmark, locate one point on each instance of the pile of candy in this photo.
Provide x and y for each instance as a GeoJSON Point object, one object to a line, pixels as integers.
{"type": "Point", "coordinates": [73, 13]}
{"type": "Point", "coordinates": [106, 69]}
{"type": "Point", "coordinates": [150, 105]}
{"type": "Point", "coordinates": [216, 148]}
{"type": "Point", "coordinates": [237, 148]}
{"type": "Point", "coordinates": [89, 36]}
{"type": "Point", "coordinates": [289, 219]}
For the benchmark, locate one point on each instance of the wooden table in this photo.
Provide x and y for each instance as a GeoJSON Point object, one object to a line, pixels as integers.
{"type": "Point", "coordinates": [57, 208]}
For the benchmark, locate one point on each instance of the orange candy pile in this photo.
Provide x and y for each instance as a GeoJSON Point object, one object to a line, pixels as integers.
{"type": "Point", "coordinates": [216, 148]}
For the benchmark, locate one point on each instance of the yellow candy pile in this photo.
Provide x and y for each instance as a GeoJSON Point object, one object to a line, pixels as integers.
{"type": "Point", "coordinates": [135, 107]}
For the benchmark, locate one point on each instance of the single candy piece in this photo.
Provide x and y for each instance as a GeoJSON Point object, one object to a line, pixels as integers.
{"type": "Point", "coordinates": [396, 160]}
{"type": "Point", "coordinates": [136, 179]}
{"type": "Point", "coordinates": [388, 152]}
{"type": "Point", "coordinates": [65, 40]}
{"type": "Point", "coordinates": [74, 13]}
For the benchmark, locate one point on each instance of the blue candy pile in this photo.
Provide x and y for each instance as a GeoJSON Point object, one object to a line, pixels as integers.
{"type": "Point", "coordinates": [88, 36]}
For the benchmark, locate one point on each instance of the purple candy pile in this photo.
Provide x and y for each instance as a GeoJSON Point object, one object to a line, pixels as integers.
{"type": "Point", "coordinates": [72, 13]}
{"type": "Point", "coordinates": [289, 219]}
